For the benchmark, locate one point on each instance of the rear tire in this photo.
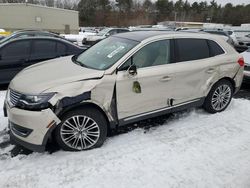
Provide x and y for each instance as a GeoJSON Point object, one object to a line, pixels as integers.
{"type": "Point", "coordinates": [81, 129]}
{"type": "Point", "coordinates": [219, 97]}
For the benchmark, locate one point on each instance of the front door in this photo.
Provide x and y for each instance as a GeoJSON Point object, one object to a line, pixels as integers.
{"type": "Point", "coordinates": [150, 89]}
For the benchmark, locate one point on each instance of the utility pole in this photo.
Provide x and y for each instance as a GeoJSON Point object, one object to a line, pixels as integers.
{"type": "Point", "coordinates": [175, 17]}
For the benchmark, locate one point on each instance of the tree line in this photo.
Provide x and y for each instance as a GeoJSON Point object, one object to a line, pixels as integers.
{"type": "Point", "coordinates": [134, 12]}
{"type": "Point", "coordinates": [144, 12]}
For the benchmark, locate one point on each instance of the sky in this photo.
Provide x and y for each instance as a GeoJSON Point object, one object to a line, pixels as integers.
{"type": "Point", "coordinates": [223, 2]}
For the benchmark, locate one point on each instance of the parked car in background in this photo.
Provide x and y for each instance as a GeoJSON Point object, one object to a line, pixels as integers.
{"type": "Point", "coordinates": [77, 38]}
{"type": "Point", "coordinates": [232, 34]}
{"type": "Point", "coordinates": [1, 37]}
{"type": "Point", "coordinates": [222, 33]}
{"type": "Point", "coordinates": [16, 54]}
{"type": "Point", "coordinates": [29, 33]}
{"type": "Point", "coordinates": [123, 79]}
{"type": "Point", "coordinates": [246, 55]}
{"type": "Point", "coordinates": [3, 33]}
{"type": "Point", "coordinates": [91, 40]}
{"type": "Point", "coordinates": [244, 42]}
{"type": "Point", "coordinates": [195, 29]}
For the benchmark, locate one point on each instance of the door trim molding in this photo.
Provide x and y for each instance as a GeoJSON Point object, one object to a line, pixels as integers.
{"type": "Point", "coordinates": [170, 109]}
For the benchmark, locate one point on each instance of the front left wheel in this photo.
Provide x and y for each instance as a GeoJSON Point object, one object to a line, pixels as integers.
{"type": "Point", "coordinates": [81, 129]}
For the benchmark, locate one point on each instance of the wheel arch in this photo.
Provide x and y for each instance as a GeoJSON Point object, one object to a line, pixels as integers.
{"type": "Point", "coordinates": [86, 105]}
{"type": "Point", "coordinates": [231, 80]}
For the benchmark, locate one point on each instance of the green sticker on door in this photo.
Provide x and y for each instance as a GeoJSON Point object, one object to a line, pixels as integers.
{"type": "Point", "coordinates": [136, 87]}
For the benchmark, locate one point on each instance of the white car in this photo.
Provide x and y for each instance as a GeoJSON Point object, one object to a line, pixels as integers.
{"type": "Point", "coordinates": [77, 38]}
{"type": "Point", "coordinates": [123, 79]}
{"type": "Point", "coordinates": [246, 56]}
{"type": "Point", "coordinates": [91, 40]}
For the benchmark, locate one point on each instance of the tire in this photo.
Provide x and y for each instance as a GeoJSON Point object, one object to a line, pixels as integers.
{"type": "Point", "coordinates": [81, 129]}
{"type": "Point", "coordinates": [219, 97]}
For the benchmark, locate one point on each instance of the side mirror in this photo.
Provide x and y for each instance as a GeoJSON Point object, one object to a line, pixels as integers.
{"type": "Point", "coordinates": [132, 70]}
{"type": "Point", "coordinates": [107, 35]}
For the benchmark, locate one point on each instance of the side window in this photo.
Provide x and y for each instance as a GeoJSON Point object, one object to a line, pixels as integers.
{"type": "Point", "coordinates": [155, 53]}
{"type": "Point", "coordinates": [61, 49]}
{"type": "Point", "coordinates": [16, 50]}
{"type": "Point", "coordinates": [126, 65]}
{"type": "Point", "coordinates": [122, 30]}
{"type": "Point", "coordinates": [112, 32]}
{"type": "Point", "coordinates": [191, 49]}
{"type": "Point", "coordinates": [214, 48]}
{"type": "Point", "coordinates": [43, 49]}
{"type": "Point", "coordinates": [72, 50]}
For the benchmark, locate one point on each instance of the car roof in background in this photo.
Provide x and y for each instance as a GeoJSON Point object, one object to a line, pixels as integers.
{"type": "Point", "coordinates": [30, 30]}
{"type": "Point", "coordinates": [142, 35]}
{"type": "Point", "coordinates": [43, 38]}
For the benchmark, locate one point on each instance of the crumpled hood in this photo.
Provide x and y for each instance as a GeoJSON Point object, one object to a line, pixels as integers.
{"type": "Point", "coordinates": [43, 76]}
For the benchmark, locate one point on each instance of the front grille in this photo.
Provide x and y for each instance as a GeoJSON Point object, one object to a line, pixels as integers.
{"type": "Point", "coordinates": [14, 97]}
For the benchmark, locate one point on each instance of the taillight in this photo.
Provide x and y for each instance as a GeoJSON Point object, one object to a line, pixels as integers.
{"type": "Point", "coordinates": [241, 62]}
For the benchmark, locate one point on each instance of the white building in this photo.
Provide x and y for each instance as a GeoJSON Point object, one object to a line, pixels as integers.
{"type": "Point", "coordinates": [16, 16]}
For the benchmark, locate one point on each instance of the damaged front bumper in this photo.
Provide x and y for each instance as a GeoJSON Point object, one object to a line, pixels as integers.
{"type": "Point", "coordinates": [31, 129]}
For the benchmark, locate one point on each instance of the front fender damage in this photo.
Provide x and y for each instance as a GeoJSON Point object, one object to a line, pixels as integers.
{"type": "Point", "coordinates": [83, 92]}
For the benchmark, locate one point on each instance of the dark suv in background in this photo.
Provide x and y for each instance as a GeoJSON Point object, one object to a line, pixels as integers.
{"type": "Point", "coordinates": [16, 54]}
{"type": "Point", "coordinates": [29, 33]}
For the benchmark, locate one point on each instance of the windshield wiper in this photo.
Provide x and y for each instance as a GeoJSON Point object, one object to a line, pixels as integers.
{"type": "Point", "coordinates": [74, 60]}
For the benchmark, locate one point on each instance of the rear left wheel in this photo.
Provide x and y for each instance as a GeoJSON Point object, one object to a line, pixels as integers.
{"type": "Point", "coordinates": [219, 97]}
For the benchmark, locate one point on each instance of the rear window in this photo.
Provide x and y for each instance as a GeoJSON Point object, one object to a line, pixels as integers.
{"type": "Point", "coordinates": [191, 49]}
{"type": "Point", "coordinates": [215, 49]}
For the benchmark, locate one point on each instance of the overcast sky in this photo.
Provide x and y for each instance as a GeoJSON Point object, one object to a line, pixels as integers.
{"type": "Point", "coordinates": [223, 2]}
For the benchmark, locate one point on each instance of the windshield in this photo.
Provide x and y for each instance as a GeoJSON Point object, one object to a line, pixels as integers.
{"type": "Point", "coordinates": [105, 53]}
{"type": "Point", "coordinates": [103, 32]}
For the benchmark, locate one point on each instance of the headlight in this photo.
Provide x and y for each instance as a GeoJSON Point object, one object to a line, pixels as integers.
{"type": "Point", "coordinates": [35, 102]}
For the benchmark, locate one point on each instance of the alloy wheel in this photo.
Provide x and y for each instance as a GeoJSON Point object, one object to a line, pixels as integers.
{"type": "Point", "coordinates": [221, 97]}
{"type": "Point", "coordinates": [80, 132]}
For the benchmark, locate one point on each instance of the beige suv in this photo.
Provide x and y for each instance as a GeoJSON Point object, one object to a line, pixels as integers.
{"type": "Point", "coordinates": [125, 78]}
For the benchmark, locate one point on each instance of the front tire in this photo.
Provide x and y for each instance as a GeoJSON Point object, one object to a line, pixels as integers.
{"type": "Point", "coordinates": [219, 97]}
{"type": "Point", "coordinates": [81, 129]}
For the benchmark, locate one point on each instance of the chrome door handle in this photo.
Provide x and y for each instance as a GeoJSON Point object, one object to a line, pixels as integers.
{"type": "Point", "coordinates": [210, 70]}
{"type": "Point", "coordinates": [165, 79]}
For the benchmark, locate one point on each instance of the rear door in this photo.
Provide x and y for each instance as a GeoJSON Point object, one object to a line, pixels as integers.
{"type": "Point", "coordinates": [61, 49]}
{"type": "Point", "coordinates": [42, 49]}
{"type": "Point", "coordinates": [195, 69]}
{"type": "Point", "coordinates": [13, 58]}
